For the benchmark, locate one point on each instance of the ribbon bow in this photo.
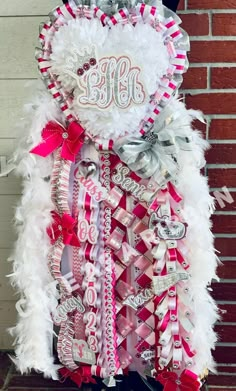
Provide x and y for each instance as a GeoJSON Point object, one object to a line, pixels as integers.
{"type": "Point", "coordinates": [79, 376]}
{"type": "Point", "coordinates": [151, 153]}
{"type": "Point", "coordinates": [188, 381]}
{"type": "Point", "coordinates": [63, 226]}
{"type": "Point", "coordinates": [55, 135]}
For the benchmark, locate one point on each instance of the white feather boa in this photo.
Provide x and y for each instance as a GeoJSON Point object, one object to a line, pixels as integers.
{"type": "Point", "coordinates": [31, 278]}
{"type": "Point", "coordinates": [197, 208]}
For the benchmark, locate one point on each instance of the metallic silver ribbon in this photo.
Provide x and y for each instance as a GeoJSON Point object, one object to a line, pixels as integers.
{"type": "Point", "coordinates": [163, 283]}
{"type": "Point", "coordinates": [146, 157]}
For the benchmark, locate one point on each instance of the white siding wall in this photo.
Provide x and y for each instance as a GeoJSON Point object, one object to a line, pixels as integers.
{"type": "Point", "coordinates": [19, 21]}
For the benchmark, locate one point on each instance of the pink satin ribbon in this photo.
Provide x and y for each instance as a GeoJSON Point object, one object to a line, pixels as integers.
{"type": "Point", "coordinates": [124, 357]}
{"type": "Point", "coordinates": [124, 217]}
{"type": "Point", "coordinates": [55, 135]}
{"type": "Point", "coordinates": [64, 227]}
{"type": "Point", "coordinates": [124, 326]}
{"type": "Point", "coordinates": [173, 192]}
{"type": "Point", "coordinates": [127, 254]}
{"type": "Point", "coordinates": [149, 238]}
{"type": "Point", "coordinates": [116, 238]}
{"type": "Point", "coordinates": [124, 289]}
{"type": "Point", "coordinates": [114, 197]}
{"type": "Point", "coordinates": [140, 211]}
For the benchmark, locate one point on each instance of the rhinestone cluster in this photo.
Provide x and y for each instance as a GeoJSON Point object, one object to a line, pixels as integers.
{"type": "Point", "coordinates": [87, 65]}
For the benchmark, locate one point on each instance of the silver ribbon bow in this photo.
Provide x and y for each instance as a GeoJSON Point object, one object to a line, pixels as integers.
{"type": "Point", "coordinates": [155, 152]}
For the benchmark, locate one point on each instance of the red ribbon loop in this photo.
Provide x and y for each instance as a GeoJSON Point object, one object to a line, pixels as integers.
{"type": "Point", "coordinates": [79, 376]}
{"type": "Point", "coordinates": [63, 226]}
{"type": "Point", "coordinates": [188, 381]}
{"type": "Point", "coordinates": [55, 135]}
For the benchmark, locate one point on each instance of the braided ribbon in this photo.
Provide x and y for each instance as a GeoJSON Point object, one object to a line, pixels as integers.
{"type": "Point", "coordinates": [188, 381]}
{"type": "Point", "coordinates": [55, 135]}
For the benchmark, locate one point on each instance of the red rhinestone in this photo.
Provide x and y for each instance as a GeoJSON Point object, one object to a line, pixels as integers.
{"type": "Point", "coordinates": [92, 61]}
{"type": "Point", "coordinates": [80, 71]}
{"type": "Point", "coordinates": [86, 66]}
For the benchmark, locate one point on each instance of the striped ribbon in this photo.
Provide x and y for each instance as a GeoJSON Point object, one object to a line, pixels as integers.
{"type": "Point", "coordinates": [108, 356]}
{"type": "Point", "coordinates": [78, 261]}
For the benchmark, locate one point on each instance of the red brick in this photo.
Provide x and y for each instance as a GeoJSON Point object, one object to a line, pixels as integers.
{"type": "Point", "coordinates": [227, 206]}
{"type": "Point", "coordinates": [219, 177]}
{"type": "Point", "coordinates": [181, 5]}
{"type": "Point", "coordinates": [223, 77]}
{"type": "Point", "coordinates": [213, 103]}
{"type": "Point", "coordinates": [202, 127]}
{"type": "Point", "coordinates": [228, 314]}
{"type": "Point", "coordinates": [212, 51]}
{"type": "Point", "coordinates": [226, 292]}
{"type": "Point", "coordinates": [221, 153]}
{"type": "Point", "coordinates": [195, 78]}
{"type": "Point", "coordinates": [226, 368]}
{"type": "Point", "coordinates": [226, 354]}
{"type": "Point", "coordinates": [195, 24]}
{"type": "Point", "coordinates": [227, 270]}
{"type": "Point", "coordinates": [226, 333]}
{"type": "Point", "coordinates": [218, 388]}
{"type": "Point", "coordinates": [211, 4]}
{"type": "Point", "coordinates": [226, 247]}
{"type": "Point", "coordinates": [222, 380]}
{"type": "Point", "coordinates": [224, 224]}
{"type": "Point", "coordinates": [223, 24]}
{"type": "Point", "coordinates": [224, 129]}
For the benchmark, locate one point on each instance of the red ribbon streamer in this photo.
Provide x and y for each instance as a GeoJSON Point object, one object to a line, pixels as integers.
{"type": "Point", "coordinates": [79, 376]}
{"type": "Point", "coordinates": [188, 381]}
{"type": "Point", "coordinates": [55, 135]}
{"type": "Point", "coordinates": [63, 226]}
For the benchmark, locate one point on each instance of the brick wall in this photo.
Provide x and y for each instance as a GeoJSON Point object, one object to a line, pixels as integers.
{"type": "Point", "coordinates": [210, 86]}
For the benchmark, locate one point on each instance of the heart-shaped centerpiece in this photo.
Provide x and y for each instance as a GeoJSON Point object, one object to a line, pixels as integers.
{"type": "Point", "coordinates": [114, 73]}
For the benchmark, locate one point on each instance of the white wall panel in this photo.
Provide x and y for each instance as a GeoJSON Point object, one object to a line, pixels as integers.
{"type": "Point", "coordinates": [27, 7]}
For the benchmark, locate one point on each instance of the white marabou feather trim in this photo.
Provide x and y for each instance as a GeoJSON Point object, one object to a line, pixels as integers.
{"type": "Point", "coordinates": [31, 277]}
